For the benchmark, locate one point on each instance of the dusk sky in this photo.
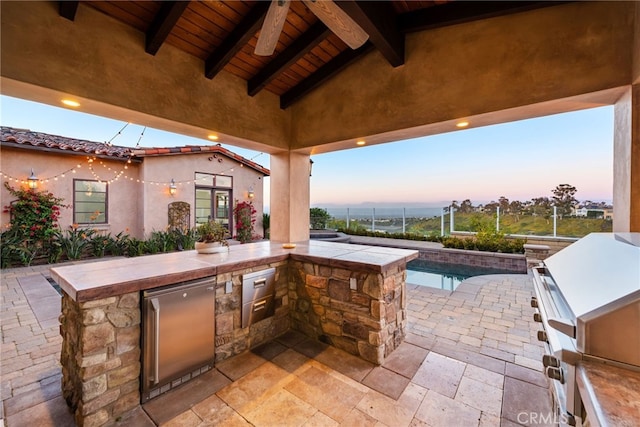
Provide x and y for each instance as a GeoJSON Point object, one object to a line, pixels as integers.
{"type": "Point", "coordinates": [518, 160]}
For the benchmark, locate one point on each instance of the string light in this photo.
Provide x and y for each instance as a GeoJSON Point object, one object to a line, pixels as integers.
{"type": "Point", "coordinates": [117, 175]}
{"type": "Point", "coordinates": [141, 135]}
{"type": "Point", "coordinates": [41, 180]}
{"type": "Point", "coordinates": [117, 134]}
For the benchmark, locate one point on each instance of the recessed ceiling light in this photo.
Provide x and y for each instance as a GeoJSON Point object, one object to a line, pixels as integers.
{"type": "Point", "coordinates": [70, 103]}
{"type": "Point", "coordinates": [213, 137]}
{"type": "Point", "coordinates": [361, 142]}
{"type": "Point", "coordinates": [462, 124]}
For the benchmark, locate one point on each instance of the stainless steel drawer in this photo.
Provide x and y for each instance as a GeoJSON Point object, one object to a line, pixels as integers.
{"type": "Point", "coordinates": [258, 284]}
{"type": "Point", "coordinates": [257, 310]}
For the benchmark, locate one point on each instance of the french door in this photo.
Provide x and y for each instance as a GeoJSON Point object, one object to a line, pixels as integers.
{"type": "Point", "coordinates": [213, 203]}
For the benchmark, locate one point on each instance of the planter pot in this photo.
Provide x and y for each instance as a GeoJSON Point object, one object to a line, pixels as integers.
{"type": "Point", "coordinates": [210, 248]}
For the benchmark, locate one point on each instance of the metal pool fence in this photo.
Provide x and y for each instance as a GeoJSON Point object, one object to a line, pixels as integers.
{"type": "Point", "coordinates": [444, 221]}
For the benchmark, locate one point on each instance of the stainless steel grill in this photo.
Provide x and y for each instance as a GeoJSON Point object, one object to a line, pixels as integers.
{"type": "Point", "coordinates": [588, 300]}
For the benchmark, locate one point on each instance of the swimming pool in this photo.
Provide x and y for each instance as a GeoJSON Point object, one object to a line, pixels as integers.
{"type": "Point", "coordinates": [444, 276]}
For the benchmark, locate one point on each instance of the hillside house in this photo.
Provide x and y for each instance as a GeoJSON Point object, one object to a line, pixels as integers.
{"type": "Point", "coordinates": [113, 188]}
{"type": "Point", "coordinates": [595, 211]}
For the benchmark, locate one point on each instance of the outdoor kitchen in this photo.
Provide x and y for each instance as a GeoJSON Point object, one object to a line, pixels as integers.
{"type": "Point", "coordinates": [588, 304]}
{"type": "Point", "coordinates": [352, 297]}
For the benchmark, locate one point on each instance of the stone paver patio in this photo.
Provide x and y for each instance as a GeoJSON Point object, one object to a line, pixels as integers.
{"type": "Point", "coordinates": [470, 358]}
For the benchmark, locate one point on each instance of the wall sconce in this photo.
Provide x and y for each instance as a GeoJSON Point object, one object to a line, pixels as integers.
{"type": "Point", "coordinates": [310, 166]}
{"type": "Point", "coordinates": [32, 180]}
{"type": "Point", "coordinates": [251, 193]}
{"type": "Point", "coordinates": [172, 187]}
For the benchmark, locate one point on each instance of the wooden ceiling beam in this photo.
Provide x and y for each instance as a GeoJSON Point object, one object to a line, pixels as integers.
{"type": "Point", "coordinates": [164, 21]}
{"type": "Point", "coordinates": [236, 39]}
{"type": "Point", "coordinates": [376, 18]}
{"type": "Point", "coordinates": [300, 47]}
{"type": "Point", "coordinates": [323, 73]}
{"type": "Point", "coordinates": [68, 9]}
{"type": "Point", "coordinates": [460, 12]}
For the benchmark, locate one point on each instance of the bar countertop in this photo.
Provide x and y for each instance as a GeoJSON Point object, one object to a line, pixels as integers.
{"type": "Point", "coordinates": [611, 395]}
{"type": "Point", "coordinates": [107, 278]}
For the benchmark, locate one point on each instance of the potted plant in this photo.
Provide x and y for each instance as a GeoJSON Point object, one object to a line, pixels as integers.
{"type": "Point", "coordinates": [212, 237]}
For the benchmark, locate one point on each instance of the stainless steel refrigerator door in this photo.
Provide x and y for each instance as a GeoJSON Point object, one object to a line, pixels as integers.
{"type": "Point", "coordinates": [179, 332]}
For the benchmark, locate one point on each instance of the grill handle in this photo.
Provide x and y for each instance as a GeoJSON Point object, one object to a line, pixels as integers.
{"type": "Point", "coordinates": [563, 325]}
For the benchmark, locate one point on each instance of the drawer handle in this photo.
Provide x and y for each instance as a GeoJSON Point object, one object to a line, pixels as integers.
{"type": "Point", "coordinates": [259, 306]}
{"type": "Point", "coordinates": [155, 306]}
{"type": "Point", "coordinates": [259, 283]}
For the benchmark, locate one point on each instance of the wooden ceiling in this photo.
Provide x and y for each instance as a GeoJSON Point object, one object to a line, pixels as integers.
{"type": "Point", "coordinates": [223, 34]}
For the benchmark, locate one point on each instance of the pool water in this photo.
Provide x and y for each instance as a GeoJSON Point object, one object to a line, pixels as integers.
{"type": "Point", "coordinates": [444, 276]}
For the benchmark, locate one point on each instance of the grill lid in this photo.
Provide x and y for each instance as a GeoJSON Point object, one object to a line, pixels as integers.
{"type": "Point", "coordinates": [598, 273]}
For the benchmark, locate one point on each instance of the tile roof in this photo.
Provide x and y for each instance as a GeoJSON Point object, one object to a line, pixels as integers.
{"type": "Point", "coordinates": [26, 137]}
{"type": "Point", "coordinates": [23, 137]}
{"type": "Point", "coordinates": [190, 149]}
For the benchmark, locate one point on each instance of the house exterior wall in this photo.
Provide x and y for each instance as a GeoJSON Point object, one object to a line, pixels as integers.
{"type": "Point", "coordinates": [182, 169]}
{"type": "Point", "coordinates": [123, 209]}
{"type": "Point", "coordinates": [133, 206]}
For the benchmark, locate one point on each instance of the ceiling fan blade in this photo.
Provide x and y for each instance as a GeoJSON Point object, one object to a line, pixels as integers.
{"type": "Point", "coordinates": [271, 27]}
{"type": "Point", "coordinates": [339, 22]}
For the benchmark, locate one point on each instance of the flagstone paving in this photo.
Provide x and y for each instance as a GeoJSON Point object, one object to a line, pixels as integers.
{"type": "Point", "coordinates": [470, 358]}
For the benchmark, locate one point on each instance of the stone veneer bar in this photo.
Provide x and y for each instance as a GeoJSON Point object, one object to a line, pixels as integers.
{"type": "Point", "coordinates": [350, 296]}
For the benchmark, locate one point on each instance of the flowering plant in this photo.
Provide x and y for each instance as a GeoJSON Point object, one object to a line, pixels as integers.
{"type": "Point", "coordinates": [34, 214]}
{"type": "Point", "coordinates": [244, 214]}
{"type": "Point", "coordinates": [33, 228]}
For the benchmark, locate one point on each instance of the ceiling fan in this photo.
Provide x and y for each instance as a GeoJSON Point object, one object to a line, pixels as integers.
{"type": "Point", "coordinates": [327, 11]}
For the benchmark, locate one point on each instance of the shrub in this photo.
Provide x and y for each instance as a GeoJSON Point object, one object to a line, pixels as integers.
{"type": "Point", "coordinates": [162, 241]}
{"type": "Point", "coordinates": [361, 231]}
{"type": "Point", "coordinates": [486, 241]}
{"type": "Point", "coordinates": [185, 239]}
{"type": "Point", "coordinates": [75, 241]}
{"type": "Point", "coordinates": [14, 250]}
{"type": "Point", "coordinates": [33, 228]}
{"type": "Point", "coordinates": [318, 218]}
{"type": "Point", "coordinates": [100, 243]}
{"type": "Point", "coordinates": [136, 247]}
{"type": "Point", "coordinates": [119, 244]}
{"type": "Point", "coordinates": [244, 214]}
{"type": "Point", "coordinates": [34, 214]}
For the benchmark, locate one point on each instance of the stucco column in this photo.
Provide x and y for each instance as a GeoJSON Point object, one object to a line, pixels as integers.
{"type": "Point", "coordinates": [626, 162]}
{"type": "Point", "coordinates": [289, 197]}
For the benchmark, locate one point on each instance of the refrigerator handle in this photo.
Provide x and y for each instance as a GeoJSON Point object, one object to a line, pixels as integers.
{"type": "Point", "coordinates": [155, 305]}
